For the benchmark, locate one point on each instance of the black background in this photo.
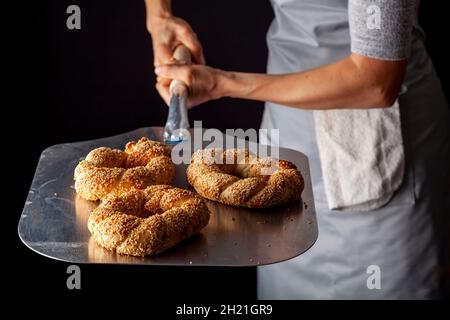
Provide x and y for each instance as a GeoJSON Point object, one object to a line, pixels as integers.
{"type": "Point", "coordinates": [98, 81]}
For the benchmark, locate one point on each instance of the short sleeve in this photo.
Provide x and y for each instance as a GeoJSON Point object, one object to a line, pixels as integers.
{"type": "Point", "coordinates": [382, 29]}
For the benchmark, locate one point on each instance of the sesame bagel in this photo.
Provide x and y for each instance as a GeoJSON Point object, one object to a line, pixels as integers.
{"type": "Point", "coordinates": [146, 222]}
{"type": "Point", "coordinates": [238, 178]}
{"type": "Point", "coordinates": [107, 170]}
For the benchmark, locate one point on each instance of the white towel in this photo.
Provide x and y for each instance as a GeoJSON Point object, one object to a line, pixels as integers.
{"type": "Point", "coordinates": [361, 155]}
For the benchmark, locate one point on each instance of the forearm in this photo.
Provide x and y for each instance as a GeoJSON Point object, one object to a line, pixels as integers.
{"type": "Point", "coordinates": [343, 84]}
{"type": "Point", "coordinates": [157, 9]}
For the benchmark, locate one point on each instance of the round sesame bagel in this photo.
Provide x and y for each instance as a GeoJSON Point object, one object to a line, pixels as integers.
{"type": "Point", "coordinates": [148, 221]}
{"type": "Point", "coordinates": [238, 178]}
{"type": "Point", "coordinates": [106, 170]}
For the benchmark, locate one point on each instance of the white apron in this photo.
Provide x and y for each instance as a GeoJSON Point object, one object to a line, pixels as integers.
{"type": "Point", "coordinates": [401, 239]}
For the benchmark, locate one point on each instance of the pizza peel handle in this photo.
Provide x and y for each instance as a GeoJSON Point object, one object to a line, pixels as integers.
{"type": "Point", "coordinates": [177, 125]}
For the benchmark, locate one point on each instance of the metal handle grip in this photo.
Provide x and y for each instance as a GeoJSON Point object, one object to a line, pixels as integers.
{"type": "Point", "coordinates": [177, 124]}
{"type": "Point", "coordinates": [182, 54]}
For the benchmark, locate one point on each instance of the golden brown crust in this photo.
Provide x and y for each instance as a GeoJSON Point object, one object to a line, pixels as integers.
{"type": "Point", "coordinates": [144, 222]}
{"type": "Point", "coordinates": [246, 180]}
{"type": "Point", "coordinates": [106, 170]}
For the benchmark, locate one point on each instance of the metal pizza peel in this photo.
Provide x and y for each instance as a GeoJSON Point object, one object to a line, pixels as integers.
{"type": "Point", "coordinates": [54, 219]}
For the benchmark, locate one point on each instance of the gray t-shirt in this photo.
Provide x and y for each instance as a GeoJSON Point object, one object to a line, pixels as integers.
{"type": "Point", "coordinates": [382, 29]}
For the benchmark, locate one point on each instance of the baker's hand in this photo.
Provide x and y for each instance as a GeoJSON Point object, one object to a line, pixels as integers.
{"type": "Point", "coordinates": [202, 81]}
{"type": "Point", "coordinates": [167, 33]}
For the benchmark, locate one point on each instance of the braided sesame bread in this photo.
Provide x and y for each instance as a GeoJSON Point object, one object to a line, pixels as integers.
{"type": "Point", "coordinates": [238, 178]}
{"type": "Point", "coordinates": [106, 170]}
{"type": "Point", "coordinates": [143, 222]}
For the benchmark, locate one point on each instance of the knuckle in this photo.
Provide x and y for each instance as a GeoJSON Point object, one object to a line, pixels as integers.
{"type": "Point", "coordinates": [189, 75]}
{"type": "Point", "coordinates": [185, 31]}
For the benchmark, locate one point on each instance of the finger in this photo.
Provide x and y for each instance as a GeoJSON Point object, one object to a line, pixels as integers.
{"type": "Point", "coordinates": [191, 41]}
{"type": "Point", "coordinates": [163, 81]}
{"type": "Point", "coordinates": [190, 104]}
{"type": "Point", "coordinates": [162, 54]}
{"type": "Point", "coordinates": [174, 71]}
{"type": "Point", "coordinates": [163, 92]}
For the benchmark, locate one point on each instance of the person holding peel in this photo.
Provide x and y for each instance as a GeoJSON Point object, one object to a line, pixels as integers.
{"type": "Point", "coordinates": [350, 84]}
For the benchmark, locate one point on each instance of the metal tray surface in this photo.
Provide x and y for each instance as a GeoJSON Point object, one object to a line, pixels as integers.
{"type": "Point", "coordinates": [54, 219]}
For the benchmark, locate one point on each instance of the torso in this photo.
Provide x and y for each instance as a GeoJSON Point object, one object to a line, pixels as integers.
{"type": "Point", "coordinates": [310, 33]}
